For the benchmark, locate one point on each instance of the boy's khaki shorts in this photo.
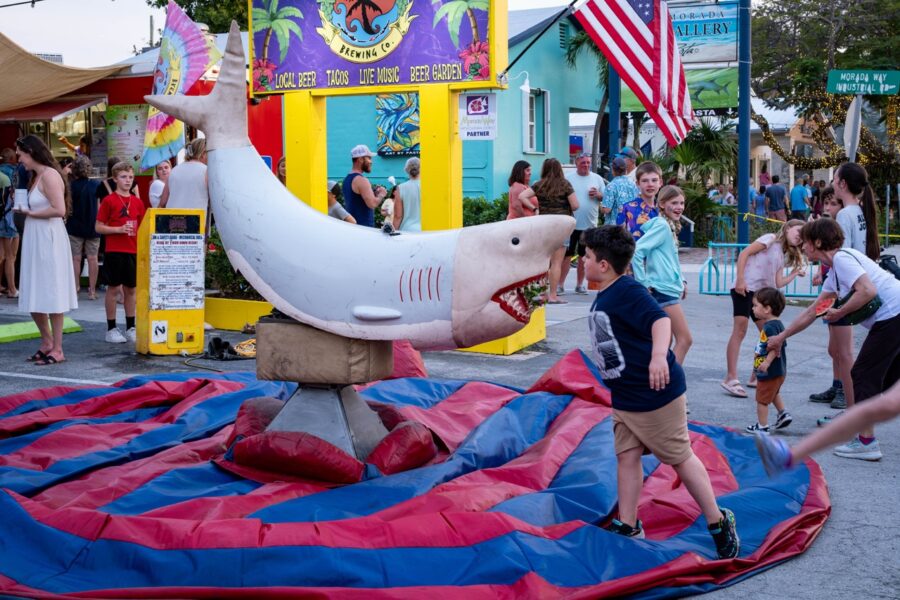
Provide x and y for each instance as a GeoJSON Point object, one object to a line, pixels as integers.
{"type": "Point", "coordinates": [662, 432]}
{"type": "Point", "coordinates": [767, 389]}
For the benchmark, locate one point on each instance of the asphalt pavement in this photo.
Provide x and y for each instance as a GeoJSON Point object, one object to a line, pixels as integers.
{"type": "Point", "coordinates": [857, 554]}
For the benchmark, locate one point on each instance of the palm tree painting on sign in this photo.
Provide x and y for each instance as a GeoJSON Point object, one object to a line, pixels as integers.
{"type": "Point", "coordinates": [475, 56]}
{"type": "Point", "coordinates": [365, 23]}
{"type": "Point", "coordinates": [278, 21]}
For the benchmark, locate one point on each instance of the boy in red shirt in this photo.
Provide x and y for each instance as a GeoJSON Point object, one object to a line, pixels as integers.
{"type": "Point", "coordinates": [118, 219]}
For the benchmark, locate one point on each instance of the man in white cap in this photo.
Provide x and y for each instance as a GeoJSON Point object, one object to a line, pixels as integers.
{"type": "Point", "coordinates": [630, 156]}
{"type": "Point", "coordinates": [359, 197]}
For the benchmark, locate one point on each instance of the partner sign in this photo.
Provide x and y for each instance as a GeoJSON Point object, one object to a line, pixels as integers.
{"type": "Point", "coordinates": [477, 116]}
{"type": "Point", "coordinates": [364, 44]}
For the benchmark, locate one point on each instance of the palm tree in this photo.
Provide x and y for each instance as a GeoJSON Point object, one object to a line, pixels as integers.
{"type": "Point", "coordinates": [271, 19]}
{"type": "Point", "coordinates": [454, 11]}
{"type": "Point", "coordinates": [707, 150]}
{"type": "Point", "coordinates": [574, 45]}
{"type": "Point", "coordinates": [364, 7]}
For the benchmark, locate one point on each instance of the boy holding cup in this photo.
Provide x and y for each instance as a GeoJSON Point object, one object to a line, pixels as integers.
{"type": "Point", "coordinates": [118, 218]}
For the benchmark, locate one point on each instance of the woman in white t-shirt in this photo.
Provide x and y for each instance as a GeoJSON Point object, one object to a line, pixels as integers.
{"type": "Point", "coordinates": [860, 228]}
{"type": "Point", "coordinates": [187, 185]}
{"type": "Point", "coordinates": [759, 265]}
{"type": "Point", "coordinates": [159, 184]}
{"type": "Point", "coordinates": [877, 366]}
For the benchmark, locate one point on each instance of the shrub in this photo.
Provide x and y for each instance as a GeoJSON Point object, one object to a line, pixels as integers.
{"type": "Point", "coordinates": [221, 276]}
{"type": "Point", "coordinates": [478, 211]}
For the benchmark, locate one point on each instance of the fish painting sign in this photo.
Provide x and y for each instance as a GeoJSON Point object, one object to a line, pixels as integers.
{"type": "Point", "coordinates": [366, 44]}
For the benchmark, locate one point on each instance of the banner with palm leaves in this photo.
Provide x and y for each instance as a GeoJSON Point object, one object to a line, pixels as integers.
{"type": "Point", "coordinates": [314, 44]}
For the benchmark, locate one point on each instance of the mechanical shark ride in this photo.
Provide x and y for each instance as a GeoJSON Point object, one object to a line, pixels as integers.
{"type": "Point", "coordinates": [445, 289]}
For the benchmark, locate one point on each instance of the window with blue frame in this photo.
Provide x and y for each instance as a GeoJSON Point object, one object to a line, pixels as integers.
{"type": "Point", "coordinates": [536, 121]}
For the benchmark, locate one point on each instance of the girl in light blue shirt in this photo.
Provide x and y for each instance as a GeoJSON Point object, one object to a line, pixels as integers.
{"type": "Point", "coordinates": [655, 264]}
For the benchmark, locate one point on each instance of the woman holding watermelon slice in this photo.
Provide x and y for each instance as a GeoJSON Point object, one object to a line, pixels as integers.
{"type": "Point", "coordinates": [866, 295]}
{"type": "Point", "coordinates": [859, 225]}
{"type": "Point", "coordinates": [759, 265]}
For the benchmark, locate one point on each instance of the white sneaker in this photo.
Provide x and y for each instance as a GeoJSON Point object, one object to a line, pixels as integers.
{"type": "Point", "coordinates": [131, 334]}
{"type": "Point", "coordinates": [580, 289]}
{"type": "Point", "coordinates": [560, 290]}
{"type": "Point", "coordinates": [114, 336]}
{"type": "Point", "coordinates": [856, 449]}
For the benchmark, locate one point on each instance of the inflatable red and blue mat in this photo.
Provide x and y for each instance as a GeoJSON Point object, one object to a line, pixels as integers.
{"type": "Point", "coordinates": [124, 492]}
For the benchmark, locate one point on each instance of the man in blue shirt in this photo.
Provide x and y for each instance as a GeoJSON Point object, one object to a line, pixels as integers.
{"type": "Point", "coordinates": [799, 200]}
{"type": "Point", "coordinates": [619, 191]}
{"type": "Point", "coordinates": [359, 197]}
{"type": "Point", "coordinates": [775, 195]}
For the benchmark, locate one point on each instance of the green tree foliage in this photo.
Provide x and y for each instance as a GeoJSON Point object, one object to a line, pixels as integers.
{"type": "Point", "coordinates": [218, 14]}
{"type": "Point", "coordinates": [796, 43]}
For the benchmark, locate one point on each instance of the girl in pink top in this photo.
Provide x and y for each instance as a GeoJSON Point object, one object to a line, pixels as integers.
{"type": "Point", "coordinates": [518, 183]}
{"type": "Point", "coordinates": [761, 264]}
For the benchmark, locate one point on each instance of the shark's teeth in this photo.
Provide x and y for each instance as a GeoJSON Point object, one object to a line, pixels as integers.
{"type": "Point", "coordinates": [515, 302]}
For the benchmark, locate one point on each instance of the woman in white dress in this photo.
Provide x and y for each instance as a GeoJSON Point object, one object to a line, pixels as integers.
{"type": "Point", "coordinates": [47, 281]}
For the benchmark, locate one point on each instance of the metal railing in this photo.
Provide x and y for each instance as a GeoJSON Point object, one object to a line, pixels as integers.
{"type": "Point", "coordinates": [718, 273]}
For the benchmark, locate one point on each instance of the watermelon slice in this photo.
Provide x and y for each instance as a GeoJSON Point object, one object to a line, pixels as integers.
{"type": "Point", "coordinates": [823, 306]}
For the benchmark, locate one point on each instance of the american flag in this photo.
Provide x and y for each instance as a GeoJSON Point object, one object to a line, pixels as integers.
{"type": "Point", "coordinates": [637, 39]}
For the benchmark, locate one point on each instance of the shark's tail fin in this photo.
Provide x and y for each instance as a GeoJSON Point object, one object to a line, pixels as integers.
{"type": "Point", "coordinates": [221, 115]}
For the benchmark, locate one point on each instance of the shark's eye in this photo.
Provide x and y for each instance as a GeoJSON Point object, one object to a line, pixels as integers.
{"type": "Point", "coordinates": [515, 241]}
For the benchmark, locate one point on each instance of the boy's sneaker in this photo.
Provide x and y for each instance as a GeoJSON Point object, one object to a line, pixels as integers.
{"type": "Point", "coordinates": [775, 454]}
{"type": "Point", "coordinates": [839, 400]}
{"type": "Point", "coordinates": [822, 422]}
{"type": "Point", "coordinates": [856, 449]}
{"type": "Point", "coordinates": [580, 289]}
{"type": "Point", "coordinates": [724, 533]}
{"type": "Point", "coordinates": [784, 419]}
{"type": "Point", "coordinates": [825, 397]}
{"type": "Point", "coordinates": [617, 526]}
{"type": "Point", "coordinates": [131, 334]}
{"type": "Point", "coordinates": [114, 336]}
{"type": "Point", "coordinates": [756, 427]}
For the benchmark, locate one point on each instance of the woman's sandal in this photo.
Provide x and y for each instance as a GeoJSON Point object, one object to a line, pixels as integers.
{"type": "Point", "coordinates": [37, 356]}
{"type": "Point", "coordinates": [734, 388]}
{"type": "Point", "coordinates": [48, 360]}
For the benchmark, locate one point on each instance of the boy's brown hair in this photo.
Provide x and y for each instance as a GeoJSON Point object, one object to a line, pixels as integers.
{"type": "Point", "coordinates": [648, 166]}
{"type": "Point", "coordinates": [771, 298]}
{"type": "Point", "coordinates": [121, 167]}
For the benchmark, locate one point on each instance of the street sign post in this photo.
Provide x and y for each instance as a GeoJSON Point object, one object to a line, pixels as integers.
{"type": "Point", "coordinates": [880, 83]}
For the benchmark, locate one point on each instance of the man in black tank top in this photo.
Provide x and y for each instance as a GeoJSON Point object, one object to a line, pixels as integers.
{"type": "Point", "coordinates": [360, 199]}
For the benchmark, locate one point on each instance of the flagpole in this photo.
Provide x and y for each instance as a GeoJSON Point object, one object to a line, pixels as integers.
{"type": "Point", "coordinates": [614, 92]}
{"type": "Point", "coordinates": [743, 174]}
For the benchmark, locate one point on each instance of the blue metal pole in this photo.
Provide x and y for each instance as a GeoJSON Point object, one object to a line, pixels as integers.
{"type": "Point", "coordinates": [743, 174]}
{"type": "Point", "coordinates": [615, 108]}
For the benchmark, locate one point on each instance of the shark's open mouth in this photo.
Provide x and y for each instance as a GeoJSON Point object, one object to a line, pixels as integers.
{"type": "Point", "coordinates": [520, 299]}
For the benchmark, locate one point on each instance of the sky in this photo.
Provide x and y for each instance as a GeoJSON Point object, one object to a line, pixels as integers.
{"type": "Point", "coordinates": [94, 33]}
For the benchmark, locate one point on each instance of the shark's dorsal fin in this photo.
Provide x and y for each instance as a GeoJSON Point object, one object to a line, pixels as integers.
{"type": "Point", "coordinates": [221, 115]}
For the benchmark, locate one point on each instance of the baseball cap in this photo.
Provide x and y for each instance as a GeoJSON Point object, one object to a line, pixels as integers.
{"type": "Point", "coordinates": [627, 152]}
{"type": "Point", "coordinates": [331, 184]}
{"type": "Point", "coordinates": [360, 151]}
{"type": "Point", "coordinates": [618, 164]}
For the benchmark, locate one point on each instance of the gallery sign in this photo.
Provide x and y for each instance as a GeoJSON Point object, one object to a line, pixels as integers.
{"type": "Point", "coordinates": [360, 44]}
{"type": "Point", "coordinates": [707, 38]}
{"type": "Point", "coordinates": [477, 116]}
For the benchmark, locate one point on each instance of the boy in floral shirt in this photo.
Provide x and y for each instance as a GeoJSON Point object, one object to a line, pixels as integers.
{"type": "Point", "coordinates": [643, 208]}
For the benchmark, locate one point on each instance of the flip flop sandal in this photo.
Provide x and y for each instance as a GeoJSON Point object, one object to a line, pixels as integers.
{"type": "Point", "coordinates": [557, 301]}
{"type": "Point", "coordinates": [751, 384]}
{"type": "Point", "coordinates": [734, 388]}
{"type": "Point", "coordinates": [48, 360]}
{"type": "Point", "coordinates": [39, 355]}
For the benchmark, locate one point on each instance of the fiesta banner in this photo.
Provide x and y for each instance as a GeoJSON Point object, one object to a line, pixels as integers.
{"type": "Point", "coordinates": [336, 44]}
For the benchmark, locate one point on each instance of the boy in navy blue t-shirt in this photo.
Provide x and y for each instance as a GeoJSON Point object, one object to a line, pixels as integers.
{"type": "Point", "coordinates": [631, 335]}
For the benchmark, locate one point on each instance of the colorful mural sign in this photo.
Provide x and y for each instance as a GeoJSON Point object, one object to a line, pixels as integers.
{"type": "Point", "coordinates": [397, 122]}
{"type": "Point", "coordinates": [707, 40]}
{"type": "Point", "coordinates": [126, 125]}
{"type": "Point", "coordinates": [334, 44]}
